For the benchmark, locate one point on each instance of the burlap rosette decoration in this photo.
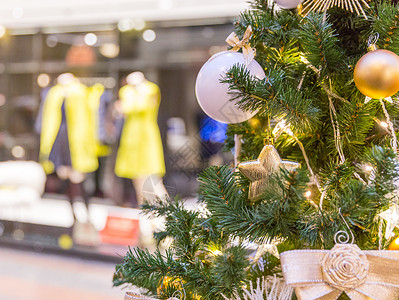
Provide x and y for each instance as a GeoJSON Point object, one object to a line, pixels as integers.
{"type": "Point", "coordinates": [345, 267]}
{"type": "Point", "coordinates": [326, 274]}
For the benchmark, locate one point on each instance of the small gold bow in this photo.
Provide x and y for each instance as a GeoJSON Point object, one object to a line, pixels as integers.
{"type": "Point", "coordinates": [247, 51]}
{"type": "Point", "coordinates": [326, 274]}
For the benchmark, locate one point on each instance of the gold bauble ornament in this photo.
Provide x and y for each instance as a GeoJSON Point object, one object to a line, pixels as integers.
{"type": "Point", "coordinates": [377, 74]}
{"type": "Point", "coordinates": [394, 245]}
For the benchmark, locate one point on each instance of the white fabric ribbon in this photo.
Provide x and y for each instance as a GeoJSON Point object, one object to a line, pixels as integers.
{"type": "Point", "coordinates": [326, 274]}
{"type": "Point", "coordinates": [134, 296]}
{"type": "Point", "coordinates": [247, 51]}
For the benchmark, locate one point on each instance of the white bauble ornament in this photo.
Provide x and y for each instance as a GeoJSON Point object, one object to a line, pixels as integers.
{"type": "Point", "coordinates": [288, 4]}
{"type": "Point", "coordinates": [213, 96]}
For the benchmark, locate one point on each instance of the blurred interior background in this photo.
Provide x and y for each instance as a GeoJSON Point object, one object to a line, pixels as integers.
{"type": "Point", "coordinates": [102, 41]}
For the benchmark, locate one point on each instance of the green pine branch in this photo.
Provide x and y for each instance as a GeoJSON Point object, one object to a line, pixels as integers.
{"type": "Point", "coordinates": [320, 44]}
{"type": "Point", "coordinates": [179, 226]}
{"type": "Point", "coordinates": [208, 256]}
{"type": "Point", "coordinates": [356, 121]}
{"type": "Point", "coordinates": [141, 268]}
{"type": "Point", "coordinates": [272, 96]}
{"type": "Point", "coordinates": [387, 26]}
{"type": "Point", "coordinates": [225, 194]}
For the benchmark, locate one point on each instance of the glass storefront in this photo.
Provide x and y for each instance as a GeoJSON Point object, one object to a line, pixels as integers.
{"type": "Point", "coordinates": [31, 62]}
{"type": "Point", "coordinates": [168, 53]}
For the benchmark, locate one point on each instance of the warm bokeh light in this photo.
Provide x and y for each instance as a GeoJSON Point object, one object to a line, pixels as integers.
{"type": "Point", "coordinates": [216, 252]}
{"type": "Point", "coordinates": [43, 80]}
{"type": "Point", "coordinates": [138, 24]}
{"type": "Point", "coordinates": [18, 151]}
{"type": "Point", "coordinates": [2, 31]}
{"type": "Point", "coordinates": [90, 39]}
{"type": "Point", "coordinates": [369, 168]}
{"type": "Point", "coordinates": [18, 234]}
{"type": "Point", "coordinates": [125, 25]}
{"type": "Point", "coordinates": [109, 50]}
{"type": "Point", "coordinates": [51, 41]}
{"type": "Point", "coordinates": [149, 35]}
{"type": "Point", "coordinates": [308, 193]}
{"type": "Point", "coordinates": [384, 124]}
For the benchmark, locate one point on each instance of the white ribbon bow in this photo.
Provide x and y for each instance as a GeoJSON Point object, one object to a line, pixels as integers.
{"type": "Point", "coordinates": [247, 51]}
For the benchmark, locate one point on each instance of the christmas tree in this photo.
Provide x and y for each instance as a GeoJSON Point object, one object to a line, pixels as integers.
{"type": "Point", "coordinates": [318, 157]}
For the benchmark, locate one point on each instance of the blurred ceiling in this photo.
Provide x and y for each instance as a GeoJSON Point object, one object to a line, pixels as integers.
{"type": "Point", "coordinates": [48, 13]}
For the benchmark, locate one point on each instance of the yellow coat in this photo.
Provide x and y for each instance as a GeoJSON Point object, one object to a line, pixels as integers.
{"type": "Point", "coordinates": [140, 151]}
{"type": "Point", "coordinates": [80, 105]}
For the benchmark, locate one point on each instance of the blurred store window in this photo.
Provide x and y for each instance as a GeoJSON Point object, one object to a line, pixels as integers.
{"type": "Point", "coordinates": [101, 42]}
{"type": "Point", "coordinates": [170, 45]}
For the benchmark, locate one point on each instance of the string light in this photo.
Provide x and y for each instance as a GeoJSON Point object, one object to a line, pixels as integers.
{"type": "Point", "coordinates": [307, 194]}
{"type": "Point", "coordinates": [391, 216]}
{"type": "Point", "coordinates": [368, 168]}
{"type": "Point", "coordinates": [384, 124]}
{"type": "Point", "coordinates": [303, 59]}
{"type": "Point", "coordinates": [394, 141]}
{"type": "Point", "coordinates": [282, 126]}
{"type": "Point", "coordinates": [216, 252]}
{"type": "Point", "coordinates": [213, 249]}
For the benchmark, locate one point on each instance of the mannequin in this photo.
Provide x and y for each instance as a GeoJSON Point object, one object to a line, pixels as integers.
{"type": "Point", "coordinates": [67, 138]}
{"type": "Point", "coordinates": [140, 154]}
{"type": "Point", "coordinates": [66, 172]}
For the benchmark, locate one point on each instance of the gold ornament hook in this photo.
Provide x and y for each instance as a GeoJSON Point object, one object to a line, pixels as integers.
{"type": "Point", "coordinates": [268, 141]}
{"type": "Point", "coordinates": [342, 236]}
{"type": "Point", "coordinates": [372, 42]}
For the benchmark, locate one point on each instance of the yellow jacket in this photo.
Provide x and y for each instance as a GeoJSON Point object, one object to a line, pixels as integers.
{"type": "Point", "coordinates": [80, 105]}
{"type": "Point", "coordinates": [140, 151]}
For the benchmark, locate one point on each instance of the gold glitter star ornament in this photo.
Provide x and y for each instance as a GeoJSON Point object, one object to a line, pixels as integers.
{"type": "Point", "coordinates": [324, 5]}
{"type": "Point", "coordinates": [259, 171]}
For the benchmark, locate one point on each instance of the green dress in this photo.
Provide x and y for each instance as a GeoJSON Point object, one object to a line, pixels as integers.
{"type": "Point", "coordinates": [140, 152]}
